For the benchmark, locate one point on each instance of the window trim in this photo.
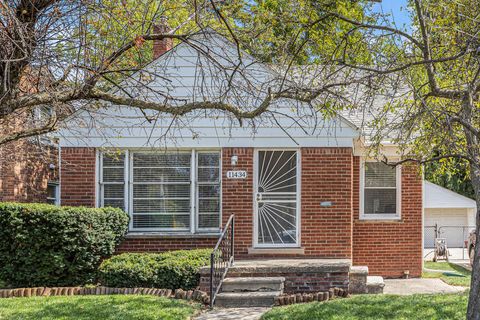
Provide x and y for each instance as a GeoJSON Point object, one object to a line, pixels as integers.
{"type": "Point", "coordinates": [196, 197]}
{"type": "Point", "coordinates": [128, 182]}
{"type": "Point", "coordinates": [398, 187]}
{"type": "Point", "coordinates": [56, 199]}
{"type": "Point", "coordinates": [130, 197]}
{"type": "Point", "coordinates": [100, 183]}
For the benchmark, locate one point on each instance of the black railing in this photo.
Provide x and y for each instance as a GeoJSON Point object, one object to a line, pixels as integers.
{"type": "Point", "coordinates": [221, 258]}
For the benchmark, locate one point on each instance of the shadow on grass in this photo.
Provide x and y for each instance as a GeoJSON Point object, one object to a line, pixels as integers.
{"type": "Point", "coordinates": [462, 278]}
{"type": "Point", "coordinates": [377, 307]}
{"type": "Point", "coordinates": [96, 307]}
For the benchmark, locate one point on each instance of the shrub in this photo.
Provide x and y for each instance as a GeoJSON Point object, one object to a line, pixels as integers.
{"type": "Point", "coordinates": [46, 245]}
{"type": "Point", "coordinates": [172, 270]}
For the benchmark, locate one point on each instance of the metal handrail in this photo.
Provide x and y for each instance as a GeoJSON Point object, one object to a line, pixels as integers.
{"type": "Point", "coordinates": [221, 258]}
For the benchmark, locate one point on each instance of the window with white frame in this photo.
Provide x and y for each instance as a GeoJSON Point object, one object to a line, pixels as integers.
{"type": "Point", "coordinates": [112, 180]}
{"type": "Point", "coordinates": [167, 191]}
{"type": "Point", "coordinates": [208, 190]}
{"type": "Point", "coordinates": [161, 191]}
{"type": "Point", "coordinates": [380, 192]}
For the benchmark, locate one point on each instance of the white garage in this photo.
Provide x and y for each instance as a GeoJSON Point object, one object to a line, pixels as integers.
{"type": "Point", "coordinates": [452, 213]}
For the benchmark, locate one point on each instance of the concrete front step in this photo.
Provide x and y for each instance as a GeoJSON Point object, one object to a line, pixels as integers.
{"type": "Point", "coordinates": [375, 285]}
{"type": "Point", "coordinates": [246, 299]}
{"type": "Point", "coordinates": [250, 284]}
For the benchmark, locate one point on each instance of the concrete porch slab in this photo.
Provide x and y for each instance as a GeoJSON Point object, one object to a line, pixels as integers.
{"type": "Point", "coordinates": [291, 265]}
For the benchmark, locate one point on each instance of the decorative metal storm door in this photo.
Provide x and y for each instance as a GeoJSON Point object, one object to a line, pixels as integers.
{"type": "Point", "coordinates": [276, 191]}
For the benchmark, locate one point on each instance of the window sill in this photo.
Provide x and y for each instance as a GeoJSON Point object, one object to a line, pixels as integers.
{"type": "Point", "coordinates": [281, 251]}
{"type": "Point", "coordinates": [380, 219]}
{"type": "Point", "coordinates": [136, 234]}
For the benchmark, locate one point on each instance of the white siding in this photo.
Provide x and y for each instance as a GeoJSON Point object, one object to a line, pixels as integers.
{"type": "Point", "coordinates": [185, 74]}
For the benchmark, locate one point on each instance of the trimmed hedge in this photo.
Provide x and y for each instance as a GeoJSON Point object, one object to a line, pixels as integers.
{"type": "Point", "coordinates": [46, 245]}
{"type": "Point", "coordinates": [172, 270]}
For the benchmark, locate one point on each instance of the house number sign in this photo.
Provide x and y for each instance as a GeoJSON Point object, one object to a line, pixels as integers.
{"type": "Point", "coordinates": [237, 174]}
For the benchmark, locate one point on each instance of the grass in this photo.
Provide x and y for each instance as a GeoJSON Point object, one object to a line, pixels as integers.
{"type": "Point", "coordinates": [378, 307]}
{"type": "Point", "coordinates": [463, 279]}
{"type": "Point", "coordinates": [107, 307]}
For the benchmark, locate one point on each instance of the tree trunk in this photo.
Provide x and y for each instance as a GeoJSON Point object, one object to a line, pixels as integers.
{"type": "Point", "coordinates": [473, 311]}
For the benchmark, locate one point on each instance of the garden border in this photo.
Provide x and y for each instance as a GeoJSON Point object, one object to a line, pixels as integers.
{"type": "Point", "coordinates": [195, 295]}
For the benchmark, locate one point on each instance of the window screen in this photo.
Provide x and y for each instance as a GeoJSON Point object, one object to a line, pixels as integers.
{"type": "Point", "coordinates": [380, 189]}
{"type": "Point", "coordinates": [208, 190]}
{"type": "Point", "coordinates": [161, 191]}
{"type": "Point", "coordinates": [113, 180]}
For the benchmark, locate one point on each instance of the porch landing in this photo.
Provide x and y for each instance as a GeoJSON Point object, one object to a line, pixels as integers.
{"type": "Point", "coordinates": [264, 266]}
{"type": "Point", "coordinates": [301, 275]}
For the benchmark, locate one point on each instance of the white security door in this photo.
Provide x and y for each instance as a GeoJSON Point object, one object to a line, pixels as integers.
{"type": "Point", "coordinates": [276, 198]}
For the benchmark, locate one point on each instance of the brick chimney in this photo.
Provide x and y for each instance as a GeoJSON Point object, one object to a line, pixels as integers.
{"type": "Point", "coordinates": [161, 46]}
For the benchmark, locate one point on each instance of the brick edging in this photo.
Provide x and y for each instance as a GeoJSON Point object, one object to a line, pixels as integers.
{"type": "Point", "coordinates": [310, 297]}
{"type": "Point", "coordinates": [196, 295]}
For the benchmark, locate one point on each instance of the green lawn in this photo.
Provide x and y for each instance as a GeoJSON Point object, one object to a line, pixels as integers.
{"type": "Point", "coordinates": [462, 279]}
{"type": "Point", "coordinates": [378, 307]}
{"type": "Point", "coordinates": [119, 307]}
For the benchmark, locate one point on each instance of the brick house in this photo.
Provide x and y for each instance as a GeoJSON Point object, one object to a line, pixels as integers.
{"type": "Point", "coordinates": [28, 167]}
{"type": "Point", "coordinates": [294, 195]}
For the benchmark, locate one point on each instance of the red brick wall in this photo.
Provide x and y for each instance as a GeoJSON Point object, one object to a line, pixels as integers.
{"type": "Point", "coordinates": [389, 248]}
{"type": "Point", "coordinates": [165, 244]}
{"type": "Point", "coordinates": [77, 177]}
{"type": "Point", "coordinates": [25, 170]}
{"type": "Point", "coordinates": [327, 176]}
{"type": "Point", "coordinates": [237, 197]}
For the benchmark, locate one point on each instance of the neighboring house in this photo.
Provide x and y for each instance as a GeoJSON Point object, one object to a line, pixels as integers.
{"type": "Point", "coordinates": [29, 172]}
{"type": "Point", "coordinates": [300, 186]}
{"type": "Point", "coordinates": [28, 167]}
{"type": "Point", "coordinates": [452, 213]}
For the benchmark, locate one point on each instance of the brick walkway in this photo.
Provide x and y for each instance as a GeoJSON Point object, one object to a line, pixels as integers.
{"type": "Point", "coordinates": [253, 313]}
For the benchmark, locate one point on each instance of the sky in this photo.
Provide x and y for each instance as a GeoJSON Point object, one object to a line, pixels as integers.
{"type": "Point", "coordinates": [397, 9]}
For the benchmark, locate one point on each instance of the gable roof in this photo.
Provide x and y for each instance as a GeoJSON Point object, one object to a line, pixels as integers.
{"type": "Point", "coordinates": [440, 197]}
{"type": "Point", "coordinates": [201, 73]}
{"type": "Point", "coordinates": [357, 100]}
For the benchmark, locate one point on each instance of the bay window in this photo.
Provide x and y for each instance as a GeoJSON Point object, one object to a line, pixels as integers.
{"type": "Point", "coordinates": [380, 191]}
{"type": "Point", "coordinates": [167, 191]}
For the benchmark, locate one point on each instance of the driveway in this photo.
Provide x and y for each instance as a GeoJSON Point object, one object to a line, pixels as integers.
{"type": "Point", "coordinates": [456, 254]}
{"type": "Point", "coordinates": [418, 286]}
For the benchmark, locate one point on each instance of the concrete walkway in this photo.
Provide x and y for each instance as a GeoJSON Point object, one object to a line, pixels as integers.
{"type": "Point", "coordinates": [418, 286]}
{"type": "Point", "coordinates": [253, 313]}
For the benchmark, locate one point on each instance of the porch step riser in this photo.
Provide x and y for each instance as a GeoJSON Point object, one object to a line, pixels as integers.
{"type": "Point", "coordinates": [252, 287]}
{"type": "Point", "coordinates": [246, 299]}
{"type": "Point", "coordinates": [252, 284]}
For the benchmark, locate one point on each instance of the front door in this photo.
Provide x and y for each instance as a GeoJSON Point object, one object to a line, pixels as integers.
{"type": "Point", "coordinates": [276, 198]}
